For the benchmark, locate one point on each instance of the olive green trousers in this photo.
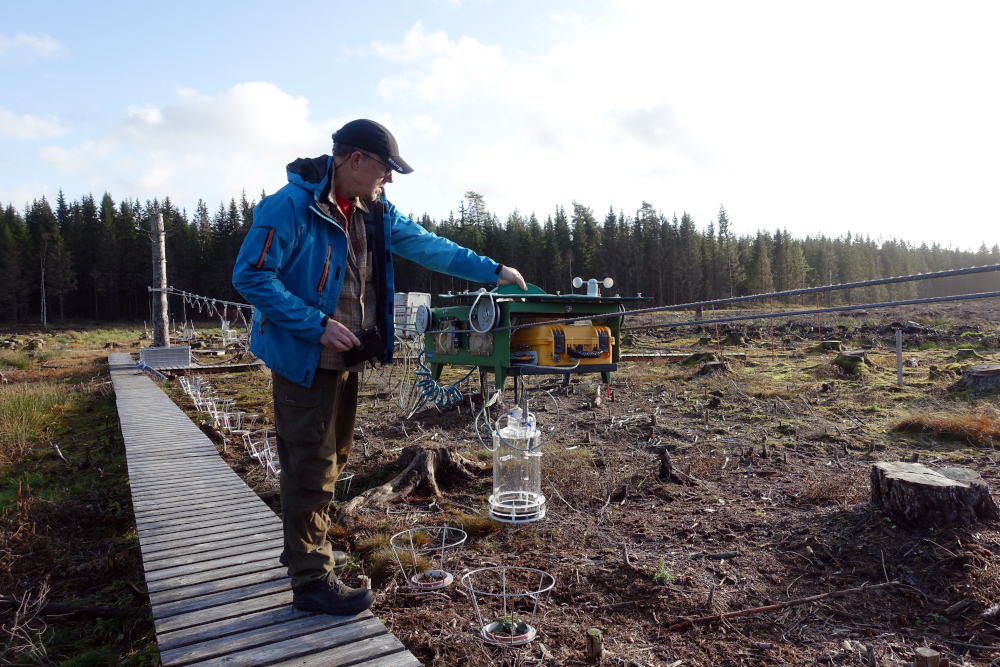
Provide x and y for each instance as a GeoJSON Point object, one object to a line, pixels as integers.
{"type": "Point", "coordinates": [315, 430]}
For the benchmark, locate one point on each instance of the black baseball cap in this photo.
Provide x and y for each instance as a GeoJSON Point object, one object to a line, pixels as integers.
{"type": "Point", "coordinates": [370, 136]}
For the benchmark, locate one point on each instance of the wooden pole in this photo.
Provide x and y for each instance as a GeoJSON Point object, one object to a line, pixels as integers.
{"type": "Point", "coordinates": [899, 357]}
{"type": "Point", "coordinates": [45, 310]}
{"type": "Point", "coordinates": [160, 319]}
{"type": "Point", "coordinates": [718, 342]}
{"type": "Point", "coordinates": [771, 303]}
{"type": "Point", "coordinates": [819, 323]}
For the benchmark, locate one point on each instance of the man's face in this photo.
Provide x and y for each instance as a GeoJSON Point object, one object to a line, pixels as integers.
{"type": "Point", "coordinates": [375, 174]}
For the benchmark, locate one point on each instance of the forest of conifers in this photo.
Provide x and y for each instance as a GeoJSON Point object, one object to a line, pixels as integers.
{"type": "Point", "coordinates": [96, 256]}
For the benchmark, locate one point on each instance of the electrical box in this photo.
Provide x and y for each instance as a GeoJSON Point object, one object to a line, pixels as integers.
{"type": "Point", "coordinates": [404, 311]}
{"type": "Point", "coordinates": [507, 331]}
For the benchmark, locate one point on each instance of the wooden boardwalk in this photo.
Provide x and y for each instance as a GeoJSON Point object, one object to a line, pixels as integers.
{"type": "Point", "coordinates": [210, 551]}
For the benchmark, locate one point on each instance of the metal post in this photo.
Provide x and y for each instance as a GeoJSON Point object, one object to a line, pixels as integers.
{"type": "Point", "coordinates": [160, 319]}
{"type": "Point", "coordinates": [899, 357]}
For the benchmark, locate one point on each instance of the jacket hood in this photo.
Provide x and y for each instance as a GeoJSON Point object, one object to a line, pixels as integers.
{"type": "Point", "coordinates": [311, 173]}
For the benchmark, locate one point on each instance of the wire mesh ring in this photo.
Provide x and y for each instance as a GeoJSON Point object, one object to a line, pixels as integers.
{"type": "Point", "coordinates": [543, 586]}
{"type": "Point", "coordinates": [433, 545]}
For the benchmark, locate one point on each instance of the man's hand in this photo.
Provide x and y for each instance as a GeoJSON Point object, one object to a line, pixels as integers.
{"type": "Point", "coordinates": [511, 275]}
{"type": "Point", "coordinates": [337, 337]}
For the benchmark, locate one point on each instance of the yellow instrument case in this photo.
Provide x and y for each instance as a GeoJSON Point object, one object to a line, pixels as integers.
{"type": "Point", "coordinates": [559, 345]}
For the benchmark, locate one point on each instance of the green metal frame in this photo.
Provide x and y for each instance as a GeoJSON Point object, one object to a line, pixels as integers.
{"type": "Point", "coordinates": [516, 302]}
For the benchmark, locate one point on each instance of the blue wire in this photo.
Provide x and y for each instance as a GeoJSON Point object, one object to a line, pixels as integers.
{"type": "Point", "coordinates": [443, 397]}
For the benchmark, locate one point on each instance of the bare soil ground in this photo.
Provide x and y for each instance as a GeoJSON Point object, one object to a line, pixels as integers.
{"type": "Point", "coordinates": [772, 503]}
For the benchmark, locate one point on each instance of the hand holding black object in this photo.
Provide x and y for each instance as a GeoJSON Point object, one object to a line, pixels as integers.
{"type": "Point", "coordinates": [337, 337]}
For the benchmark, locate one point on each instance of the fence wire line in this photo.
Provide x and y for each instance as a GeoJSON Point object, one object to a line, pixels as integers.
{"type": "Point", "coordinates": [198, 297]}
{"type": "Point", "coordinates": [757, 297]}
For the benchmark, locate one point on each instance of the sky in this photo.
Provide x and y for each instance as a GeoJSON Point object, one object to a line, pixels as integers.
{"type": "Point", "coordinates": [820, 118]}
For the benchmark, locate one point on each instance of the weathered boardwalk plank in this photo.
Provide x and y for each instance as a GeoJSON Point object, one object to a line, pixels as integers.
{"type": "Point", "coordinates": [210, 551]}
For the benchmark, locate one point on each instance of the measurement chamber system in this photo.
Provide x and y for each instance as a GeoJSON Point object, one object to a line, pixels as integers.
{"type": "Point", "coordinates": [507, 331]}
{"type": "Point", "coordinates": [517, 470]}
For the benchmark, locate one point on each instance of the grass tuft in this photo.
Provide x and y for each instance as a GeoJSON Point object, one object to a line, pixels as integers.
{"type": "Point", "coordinates": [12, 359]}
{"type": "Point", "coordinates": [24, 411]}
{"type": "Point", "coordinates": [475, 525]}
{"type": "Point", "coordinates": [974, 427]}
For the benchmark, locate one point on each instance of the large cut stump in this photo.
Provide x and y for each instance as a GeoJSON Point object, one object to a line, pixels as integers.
{"type": "Point", "coordinates": [710, 367]}
{"type": "Point", "coordinates": [697, 358]}
{"type": "Point", "coordinates": [982, 378]}
{"type": "Point", "coordinates": [423, 468]}
{"type": "Point", "coordinates": [855, 362]}
{"type": "Point", "coordinates": [918, 497]}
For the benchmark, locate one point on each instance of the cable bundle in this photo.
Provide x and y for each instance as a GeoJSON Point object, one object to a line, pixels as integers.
{"type": "Point", "coordinates": [443, 397]}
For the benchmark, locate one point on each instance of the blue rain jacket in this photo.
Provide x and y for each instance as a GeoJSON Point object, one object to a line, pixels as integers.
{"type": "Point", "coordinates": [291, 268]}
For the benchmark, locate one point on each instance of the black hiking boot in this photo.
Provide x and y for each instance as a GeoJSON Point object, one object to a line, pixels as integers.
{"type": "Point", "coordinates": [332, 596]}
{"type": "Point", "coordinates": [339, 560]}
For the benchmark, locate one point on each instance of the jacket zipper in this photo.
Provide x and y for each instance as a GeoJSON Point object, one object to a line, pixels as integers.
{"type": "Point", "coordinates": [267, 247]}
{"type": "Point", "coordinates": [326, 270]}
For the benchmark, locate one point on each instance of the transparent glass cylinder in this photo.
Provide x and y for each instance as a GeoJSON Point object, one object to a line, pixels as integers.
{"type": "Point", "coordinates": [517, 471]}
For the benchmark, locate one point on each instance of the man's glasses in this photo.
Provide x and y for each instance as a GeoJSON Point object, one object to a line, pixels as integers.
{"type": "Point", "coordinates": [388, 169]}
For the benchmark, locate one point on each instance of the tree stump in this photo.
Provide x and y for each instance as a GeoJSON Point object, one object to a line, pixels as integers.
{"type": "Point", "coordinates": [735, 338]}
{"type": "Point", "coordinates": [835, 345]}
{"type": "Point", "coordinates": [855, 362]}
{"type": "Point", "coordinates": [713, 367]}
{"type": "Point", "coordinates": [926, 657]}
{"type": "Point", "coordinates": [968, 353]}
{"type": "Point", "coordinates": [422, 468]}
{"type": "Point", "coordinates": [697, 358]}
{"type": "Point", "coordinates": [918, 497]}
{"type": "Point", "coordinates": [595, 645]}
{"type": "Point", "coordinates": [982, 378]}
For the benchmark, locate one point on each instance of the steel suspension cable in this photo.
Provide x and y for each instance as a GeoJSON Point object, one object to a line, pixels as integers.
{"type": "Point", "coordinates": [758, 297]}
{"type": "Point", "coordinates": [832, 309]}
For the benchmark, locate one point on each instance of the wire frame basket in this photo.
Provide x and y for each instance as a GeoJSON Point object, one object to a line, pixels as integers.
{"type": "Point", "coordinates": [342, 486]}
{"type": "Point", "coordinates": [422, 553]}
{"type": "Point", "coordinates": [506, 601]}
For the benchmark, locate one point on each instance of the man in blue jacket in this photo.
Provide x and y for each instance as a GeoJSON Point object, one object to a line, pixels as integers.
{"type": "Point", "coordinates": [317, 266]}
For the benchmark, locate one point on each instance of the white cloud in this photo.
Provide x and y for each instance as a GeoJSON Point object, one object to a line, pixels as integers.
{"type": "Point", "coordinates": [821, 119]}
{"type": "Point", "coordinates": [23, 47]}
{"type": "Point", "coordinates": [209, 146]}
{"type": "Point", "coordinates": [25, 192]}
{"type": "Point", "coordinates": [255, 114]}
{"type": "Point", "coordinates": [202, 145]}
{"type": "Point", "coordinates": [28, 127]}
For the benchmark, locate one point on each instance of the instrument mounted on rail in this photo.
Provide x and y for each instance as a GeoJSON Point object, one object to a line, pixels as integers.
{"type": "Point", "coordinates": [519, 333]}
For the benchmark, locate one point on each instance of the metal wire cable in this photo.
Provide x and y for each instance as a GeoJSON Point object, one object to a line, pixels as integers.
{"type": "Point", "coordinates": [813, 311]}
{"type": "Point", "coordinates": [757, 297]}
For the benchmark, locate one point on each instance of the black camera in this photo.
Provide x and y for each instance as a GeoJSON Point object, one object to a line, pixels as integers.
{"type": "Point", "coordinates": [371, 346]}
